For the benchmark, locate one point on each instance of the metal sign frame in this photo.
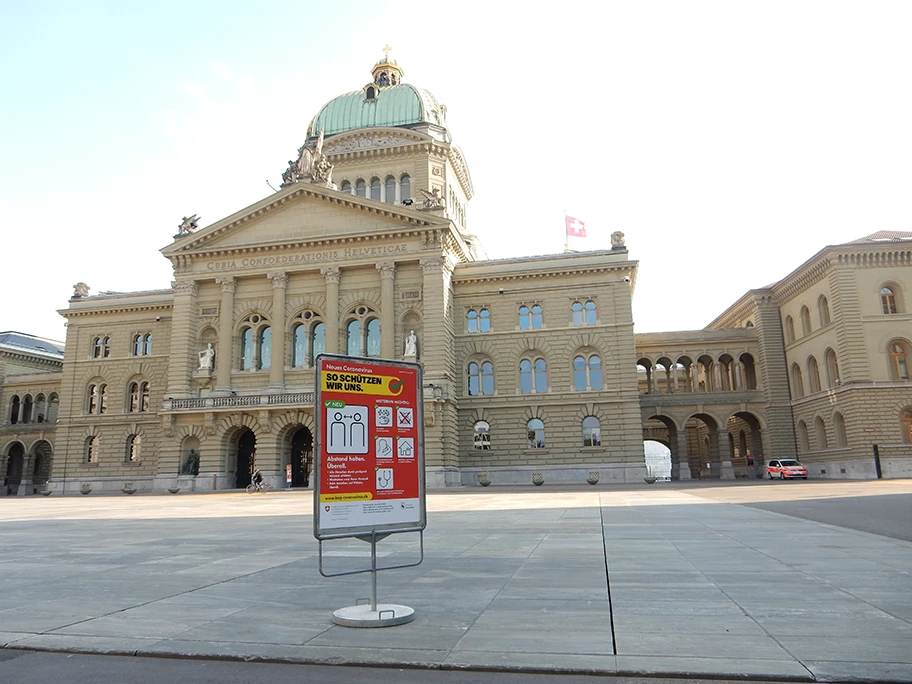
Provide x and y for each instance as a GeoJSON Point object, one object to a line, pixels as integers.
{"type": "Point", "coordinates": [364, 380]}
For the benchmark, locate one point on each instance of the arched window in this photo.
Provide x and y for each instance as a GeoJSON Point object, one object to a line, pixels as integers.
{"type": "Point", "coordinates": [370, 93]}
{"type": "Point", "coordinates": [525, 376]}
{"type": "Point", "coordinates": [375, 189]}
{"type": "Point", "coordinates": [27, 405]}
{"type": "Point", "coordinates": [591, 317]}
{"type": "Point", "coordinates": [390, 190]}
{"type": "Point", "coordinates": [105, 347]}
{"type": "Point", "coordinates": [797, 383]}
{"type": "Point", "coordinates": [14, 409]}
{"type": "Point", "coordinates": [97, 348]}
{"type": "Point", "coordinates": [97, 399]}
{"type": "Point", "coordinates": [137, 345]}
{"type": "Point", "coordinates": [899, 353]}
{"type": "Point", "coordinates": [832, 366]}
{"type": "Point", "coordinates": [482, 436]}
{"type": "Point", "coordinates": [823, 308]}
{"type": "Point", "coordinates": [92, 447]}
{"type": "Point", "coordinates": [246, 356]}
{"type": "Point", "coordinates": [373, 337]}
{"type": "Point", "coordinates": [805, 321]}
{"type": "Point", "coordinates": [803, 444]}
{"type": "Point", "coordinates": [533, 376]}
{"type": "Point", "coordinates": [362, 332]}
{"type": "Point", "coordinates": [361, 188]}
{"type": "Point", "coordinates": [346, 187]}
{"type": "Point", "coordinates": [265, 344]}
{"type": "Point", "coordinates": [134, 444]}
{"type": "Point", "coordinates": [537, 317]}
{"type": "Point", "coordinates": [592, 432]}
{"type": "Point", "coordinates": [472, 321]}
{"type": "Point", "coordinates": [576, 313]}
{"type": "Point", "coordinates": [813, 375]}
{"type": "Point", "coordinates": [481, 379]}
{"type": "Point", "coordinates": [133, 400]}
{"type": "Point", "coordinates": [144, 396]}
{"type": "Point", "coordinates": [405, 186]}
{"type": "Point", "coordinates": [525, 318]}
{"type": "Point", "coordinates": [906, 422]}
{"type": "Point", "coordinates": [317, 340]}
{"type": "Point", "coordinates": [353, 338]}
{"type": "Point", "coordinates": [888, 300]}
{"type": "Point", "coordinates": [839, 424]}
{"type": "Point", "coordinates": [308, 339]}
{"type": "Point", "coordinates": [587, 373]}
{"type": "Point", "coordinates": [487, 378]}
{"type": "Point", "coordinates": [535, 434]}
{"type": "Point", "coordinates": [299, 346]}
{"type": "Point", "coordinates": [748, 371]}
{"type": "Point", "coordinates": [147, 344]}
{"type": "Point", "coordinates": [40, 409]}
{"type": "Point", "coordinates": [820, 429]}
{"type": "Point", "coordinates": [789, 330]}
{"type": "Point", "coordinates": [484, 321]}
{"type": "Point", "coordinates": [579, 374]}
{"type": "Point", "coordinates": [541, 376]}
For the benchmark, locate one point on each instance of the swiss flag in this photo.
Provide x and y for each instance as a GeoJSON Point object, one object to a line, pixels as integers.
{"type": "Point", "coordinates": [575, 227]}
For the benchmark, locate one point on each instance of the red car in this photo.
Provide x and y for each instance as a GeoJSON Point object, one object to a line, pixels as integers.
{"type": "Point", "coordinates": [786, 468]}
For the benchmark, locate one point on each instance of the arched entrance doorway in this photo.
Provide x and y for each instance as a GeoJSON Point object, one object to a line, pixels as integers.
{"type": "Point", "coordinates": [658, 458]}
{"type": "Point", "coordinates": [246, 458]}
{"type": "Point", "coordinates": [42, 467]}
{"type": "Point", "coordinates": [301, 457]}
{"type": "Point", "coordinates": [14, 465]}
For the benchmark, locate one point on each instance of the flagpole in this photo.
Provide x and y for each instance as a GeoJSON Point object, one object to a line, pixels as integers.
{"type": "Point", "coordinates": [566, 237]}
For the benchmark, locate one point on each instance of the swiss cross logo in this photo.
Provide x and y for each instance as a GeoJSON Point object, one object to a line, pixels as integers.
{"type": "Point", "coordinates": [575, 227]}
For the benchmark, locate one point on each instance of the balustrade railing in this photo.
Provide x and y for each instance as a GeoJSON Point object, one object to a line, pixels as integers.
{"type": "Point", "coordinates": [237, 400]}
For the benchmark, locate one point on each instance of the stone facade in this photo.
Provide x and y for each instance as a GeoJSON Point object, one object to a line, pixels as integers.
{"type": "Point", "coordinates": [531, 365]}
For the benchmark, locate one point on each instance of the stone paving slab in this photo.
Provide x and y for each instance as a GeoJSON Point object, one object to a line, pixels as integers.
{"type": "Point", "coordinates": [536, 580]}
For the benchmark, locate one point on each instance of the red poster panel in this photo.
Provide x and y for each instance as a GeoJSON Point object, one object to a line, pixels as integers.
{"type": "Point", "coordinates": [369, 470]}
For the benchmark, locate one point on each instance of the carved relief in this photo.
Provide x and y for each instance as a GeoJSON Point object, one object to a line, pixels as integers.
{"type": "Point", "coordinates": [227, 284]}
{"type": "Point", "coordinates": [366, 141]}
{"type": "Point", "coordinates": [387, 269]}
{"type": "Point", "coordinates": [185, 287]}
{"type": "Point", "coordinates": [278, 279]}
{"type": "Point", "coordinates": [333, 274]}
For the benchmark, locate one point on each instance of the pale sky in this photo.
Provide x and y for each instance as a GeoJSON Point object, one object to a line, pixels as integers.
{"type": "Point", "coordinates": [729, 141]}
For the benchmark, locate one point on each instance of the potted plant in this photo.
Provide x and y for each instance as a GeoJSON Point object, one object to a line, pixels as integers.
{"type": "Point", "coordinates": [538, 479]}
{"type": "Point", "coordinates": [484, 478]}
{"type": "Point", "coordinates": [86, 488]}
{"type": "Point", "coordinates": [593, 477]}
{"type": "Point", "coordinates": [650, 475]}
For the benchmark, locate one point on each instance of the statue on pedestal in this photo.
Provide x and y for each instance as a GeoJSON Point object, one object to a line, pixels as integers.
{"type": "Point", "coordinates": [192, 464]}
{"type": "Point", "coordinates": [411, 344]}
{"type": "Point", "coordinates": [207, 358]}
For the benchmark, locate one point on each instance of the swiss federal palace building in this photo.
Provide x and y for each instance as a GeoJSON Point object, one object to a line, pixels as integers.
{"type": "Point", "coordinates": [531, 366]}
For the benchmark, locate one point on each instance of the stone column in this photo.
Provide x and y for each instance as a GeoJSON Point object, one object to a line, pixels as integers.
{"type": "Point", "coordinates": [739, 375]}
{"type": "Point", "coordinates": [277, 362]}
{"type": "Point", "coordinates": [717, 374]}
{"type": "Point", "coordinates": [726, 471]}
{"type": "Point", "coordinates": [333, 275]}
{"type": "Point", "coordinates": [223, 357]}
{"type": "Point", "coordinates": [387, 310]}
{"type": "Point", "coordinates": [683, 464]}
{"type": "Point", "coordinates": [674, 374]}
{"type": "Point", "coordinates": [183, 358]}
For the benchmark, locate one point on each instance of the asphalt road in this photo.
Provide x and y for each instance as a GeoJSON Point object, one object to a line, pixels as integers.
{"type": "Point", "coordinates": [26, 667]}
{"type": "Point", "coordinates": [853, 505]}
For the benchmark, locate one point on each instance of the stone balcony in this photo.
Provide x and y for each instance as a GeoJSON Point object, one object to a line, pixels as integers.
{"type": "Point", "coordinates": [702, 398]}
{"type": "Point", "coordinates": [235, 401]}
{"type": "Point", "coordinates": [26, 428]}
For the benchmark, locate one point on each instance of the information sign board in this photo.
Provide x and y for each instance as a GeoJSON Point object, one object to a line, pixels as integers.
{"type": "Point", "coordinates": [369, 470]}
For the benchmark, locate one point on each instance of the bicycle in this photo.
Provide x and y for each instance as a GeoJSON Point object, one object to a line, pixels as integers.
{"type": "Point", "coordinates": [262, 487]}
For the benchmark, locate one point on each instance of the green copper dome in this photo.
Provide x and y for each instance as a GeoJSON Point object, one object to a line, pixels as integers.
{"type": "Point", "coordinates": [375, 106]}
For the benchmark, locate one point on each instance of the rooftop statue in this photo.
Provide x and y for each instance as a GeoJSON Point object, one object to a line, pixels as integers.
{"type": "Point", "coordinates": [188, 225]}
{"type": "Point", "coordinates": [80, 290]}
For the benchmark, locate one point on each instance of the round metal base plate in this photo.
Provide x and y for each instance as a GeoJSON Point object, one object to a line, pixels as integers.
{"type": "Point", "coordinates": [386, 615]}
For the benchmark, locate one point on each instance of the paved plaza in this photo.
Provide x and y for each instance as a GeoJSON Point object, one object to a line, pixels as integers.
{"type": "Point", "coordinates": [676, 579]}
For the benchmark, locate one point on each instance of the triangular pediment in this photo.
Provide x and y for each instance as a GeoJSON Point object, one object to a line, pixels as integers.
{"type": "Point", "coordinates": [303, 213]}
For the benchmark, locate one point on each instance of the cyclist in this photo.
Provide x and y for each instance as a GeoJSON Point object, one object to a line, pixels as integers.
{"type": "Point", "coordinates": [257, 479]}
